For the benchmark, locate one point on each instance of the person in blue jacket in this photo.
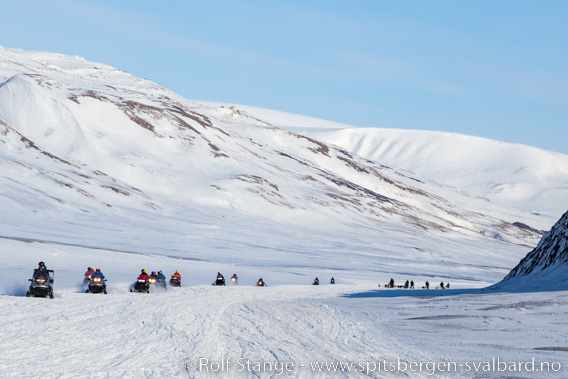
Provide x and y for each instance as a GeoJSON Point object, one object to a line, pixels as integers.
{"type": "Point", "coordinates": [161, 275]}
{"type": "Point", "coordinates": [41, 271]}
{"type": "Point", "coordinates": [98, 274]}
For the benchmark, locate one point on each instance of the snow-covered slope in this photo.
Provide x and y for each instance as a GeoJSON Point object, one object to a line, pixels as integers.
{"type": "Point", "coordinates": [546, 266]}
{"type": "Point", "coordinates": [87, 145]}
{"type": "Point", "coordinates": [519, 176]}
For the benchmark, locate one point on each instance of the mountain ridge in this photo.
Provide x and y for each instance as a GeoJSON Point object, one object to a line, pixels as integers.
{"type": "Point", "coordinates": [93, 145]}
{"type": "Point", "coordinates": [546, 266]}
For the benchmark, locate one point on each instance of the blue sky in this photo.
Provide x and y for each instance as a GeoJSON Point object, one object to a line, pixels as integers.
{"type": "Point", "coordinates": [495, 69]}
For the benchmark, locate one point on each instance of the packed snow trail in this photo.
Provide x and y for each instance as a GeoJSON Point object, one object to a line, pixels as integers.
{"type": "Point", "coordinates": [210, 331]}
{"type": "Point", "coordinates": [146, 335]}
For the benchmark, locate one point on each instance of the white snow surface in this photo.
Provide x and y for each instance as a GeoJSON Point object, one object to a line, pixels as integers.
{"type": "Point", "coordinates": [100, 168]}
{"type": "Point", "coordinates": [520, 176]}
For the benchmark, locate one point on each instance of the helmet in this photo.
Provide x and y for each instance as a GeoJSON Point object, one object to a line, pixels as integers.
{"type": "Point", "coordinates": [98, 269]}
{"type": "Point", "coordinates": [218, 273]}
{"type": "Point", "coordinates": [89, 268]}
{"type": "Point", "coordinates": [159, 272]}
{"type": "Point", "coordinates": [41, 264]}
{"type": "Point", "coordinates": [153, 272]}
{"type": "Point", "coordinates": [143, 271]}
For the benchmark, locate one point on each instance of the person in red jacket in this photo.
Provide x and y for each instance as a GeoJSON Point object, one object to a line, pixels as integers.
{"type": "Point", "coordinates": [90, 271]}
{"type": "Point", "coordinates": [143, 275]}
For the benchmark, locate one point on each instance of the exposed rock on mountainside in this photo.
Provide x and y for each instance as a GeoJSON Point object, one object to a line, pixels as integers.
{"type": "Point", "coordinates": [546, 266]}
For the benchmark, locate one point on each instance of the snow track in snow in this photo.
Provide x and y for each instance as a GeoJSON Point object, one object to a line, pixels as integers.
{"type": "Point", "coordinates": [173, 334]}
{"type": "Point", "coordinates": [136, 334]}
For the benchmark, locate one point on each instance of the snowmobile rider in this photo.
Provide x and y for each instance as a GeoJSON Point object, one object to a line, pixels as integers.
{"type": "Point", "coordinates": [41, 271]}
{"type": "Point", "coordinates": [260, 283]}
{"type": "Point", "coordinates": [235, 278]}
{"type": "Point", "coordinates": [176, 275]}
{"type": "Point", "coordinates": [220, 277]}
{"type": "Point", "coordinates": [316, 281]}
{"type": "Point", "coordinates": [98, 274]}
{"type": "Point", "coordinates": [90, 271]}
{"type": "Point", "coordinates": [332, 281]}
{"type": "Point", "coordinates": [161, 275]}
{"type": "Point", "coordinates": [143, 275]}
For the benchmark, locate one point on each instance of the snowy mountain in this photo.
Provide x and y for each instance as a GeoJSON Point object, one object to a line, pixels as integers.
{"type": "Point", "coordinates": [546, 266]}
{"type": "Point", "coordinates": [87, 145]}
{"type": "Point", "coordinates": [101, 168]}
{"type": "Point", "coordinates": [523, 177]}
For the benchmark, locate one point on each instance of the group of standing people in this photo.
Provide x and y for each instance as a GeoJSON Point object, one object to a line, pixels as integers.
{"type": "Point", "coordinates": [410, 285]}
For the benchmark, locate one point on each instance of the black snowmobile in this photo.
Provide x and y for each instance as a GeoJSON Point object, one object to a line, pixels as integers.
{"type": "Point", "coordinates": [141, 285]}
{"type": "Point", "coordinates": [161, 282]}
{"type": "Point", "coordinates": [41, 286]}
{"type": "Point", "coordinates": [97, 285]}
{"type": "Point", "coordinates": [175, 281]}
{"type": "Point", "coordinates": [219, 281]}
{"type": "Point", "coordinates": [316, 282]}
{"type": "Point", "coordinates": [152, 280]}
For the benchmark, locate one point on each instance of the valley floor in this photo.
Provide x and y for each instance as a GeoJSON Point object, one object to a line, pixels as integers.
{"type": "Point", "coordinates": [286, 331]}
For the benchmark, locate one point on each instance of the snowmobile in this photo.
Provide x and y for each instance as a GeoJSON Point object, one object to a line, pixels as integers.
{"type": "Point", "coordinates": [316, 282]}
{"type": "Point", "coordinates": [332, 281]}
{"type": "Point", "coordinates": [219, 282]}
{"type": "Point", "coordinates": [97, 285]}
{"type": "Point", "coordinates": [234, 279]}
{"type": "Point", "coordinates": [161, 282]}
{"type": "Point", "coordinates": [141, 285]}
{"type": "Point", "coordinates": [41, 286]}
{"type": "Point", "coordinates": [175, 281]}
{"type": "Point", "coordinates": [261, 283]}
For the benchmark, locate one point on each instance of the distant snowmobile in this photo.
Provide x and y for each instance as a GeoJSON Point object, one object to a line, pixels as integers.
{"type": "Point", "coordinates": [161, 283]}
{"type": "Point", "coordinates": [261, 283]}
{"type": "Point", "coordinates": [220, 280]}
{"type": "Point", "coordinates": [97, 285]}
{"type": "Point", "coordinates": [316, 282]}
{"type": "Point", "coordinates": [175, 281]}
{"type": "Point", "coordinates": [234, 279]}
{"type": "Point", "coordinates": [41, 286]}
{"type": "Point", "coordinates": [141, 285]}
